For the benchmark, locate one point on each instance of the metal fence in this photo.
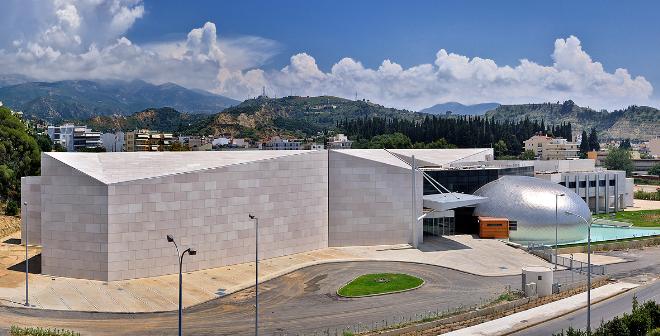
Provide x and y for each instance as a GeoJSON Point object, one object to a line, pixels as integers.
{"type": "Point", "coordinates": [547, 253]}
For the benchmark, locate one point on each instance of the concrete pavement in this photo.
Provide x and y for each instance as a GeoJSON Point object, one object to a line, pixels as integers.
{"type": "Point", "coordinates": [484, 257]}
{"type": "Point", "coordinates": [530, 317]}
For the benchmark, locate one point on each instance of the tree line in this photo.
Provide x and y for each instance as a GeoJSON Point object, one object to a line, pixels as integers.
{"type": "Point", "coordinates": [462, 132]}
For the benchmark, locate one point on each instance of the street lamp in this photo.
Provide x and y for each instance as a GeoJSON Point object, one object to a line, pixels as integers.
{"type": "Point", "coordinates": [27, 304]}
{"type": "Point", "coordinates": [588, 269]}
{"type": "Point", "coordinates": [557, 226]}
{"type": "Point", "coordinates": [256, 273]}
{"type": "Point", "coordinates": [192, 252]}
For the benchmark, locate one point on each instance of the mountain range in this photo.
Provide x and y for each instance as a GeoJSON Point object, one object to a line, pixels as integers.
{"type": "Point", "coordinates": [460, 109]}
{"type": "Point", "coordinates": [82, 99]}
{"type": "Point", "coordinates": [633, 122]}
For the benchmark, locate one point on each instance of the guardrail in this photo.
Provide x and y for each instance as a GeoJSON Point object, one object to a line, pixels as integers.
{"type": "Point", "coordinates": [546, 252]}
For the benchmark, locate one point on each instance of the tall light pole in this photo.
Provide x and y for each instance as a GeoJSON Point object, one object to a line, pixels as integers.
{"type": "Point", "coordinates": [256, 273]}
{"type": "Point", "coordinates": [557, 226]}
{"type": "Point", "coordinates": [192, 252]}
{"type": "Point", "coordinates": [588, 269]}
{"type": "Point", "coordinates": [27, 304]}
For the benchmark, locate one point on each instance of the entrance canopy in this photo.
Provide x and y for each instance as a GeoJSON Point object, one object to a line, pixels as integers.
{"type": "Point", "coordinates": [448, 201]}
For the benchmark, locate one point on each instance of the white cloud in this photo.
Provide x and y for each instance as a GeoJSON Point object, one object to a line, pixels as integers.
{"type": "Point", "coordinates": [86, 39]}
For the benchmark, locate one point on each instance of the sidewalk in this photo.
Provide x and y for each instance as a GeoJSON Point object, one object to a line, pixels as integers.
{"type": "Point", "coordinates": [464, 253]}
{"type": "Point", "coordinates": [543, 313]}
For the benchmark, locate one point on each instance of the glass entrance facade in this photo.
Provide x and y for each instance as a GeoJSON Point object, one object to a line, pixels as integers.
{"type": "Point", "coordinates": [467, 181]}
{"type": "Point", "coordinates": [442, 226]}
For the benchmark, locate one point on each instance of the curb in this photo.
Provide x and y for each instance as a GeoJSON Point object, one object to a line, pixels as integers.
{"type": "Point", "coordinates": [568, 312]}
{"type": "Point", "coordinates": [378, 294]}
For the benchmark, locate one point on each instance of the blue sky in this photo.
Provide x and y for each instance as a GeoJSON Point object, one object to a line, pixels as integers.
{"type": "Point", "coordinates": [618, 33]}
{"type": "Point", "coordinates": [401, 53]}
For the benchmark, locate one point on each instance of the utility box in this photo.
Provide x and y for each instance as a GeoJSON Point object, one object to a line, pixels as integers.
{"type": "Point", "coordinates": [530, 289]}
{"type": "Point", "coordinates": [541, 276]}
{"type": "Point", "coordinates": [493, 227]}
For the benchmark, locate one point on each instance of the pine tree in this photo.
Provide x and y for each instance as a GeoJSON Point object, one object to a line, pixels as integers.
{"type": "Point", "coordinates": [584, 144]}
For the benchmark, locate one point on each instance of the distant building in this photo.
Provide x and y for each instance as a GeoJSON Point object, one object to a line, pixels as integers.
{"type": "Point", "coordinates": [548, 148]}
{"type": "Point", "coordinates": [315, 146]}
{"type": "Point", "coordinates": [74, 138]}
{"type": "Point", "coordinates": [603, 190]}
{"type": "Point", "coordinates": [339, 141]}
{"type": "Point", "coordinates": [222, 141]}
{"type": "Point", "coordinates": [147, 141]}
{"type": "Point", "coordinates": [197, 143]}
{"type": "Point", "coordinates": [113, 142]}
{"type": "Point", "coordinates": [277, 143]}
{"type": "Point", "coordinates": [240, 143]}
{"type": "Point", "coordinates": [654, 147]}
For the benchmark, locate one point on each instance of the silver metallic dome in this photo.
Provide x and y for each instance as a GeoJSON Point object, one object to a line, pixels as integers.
{"type": "Point", "coordinates": [531, 202]}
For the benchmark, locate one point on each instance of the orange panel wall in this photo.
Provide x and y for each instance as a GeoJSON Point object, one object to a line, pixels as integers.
{"type": "Point", "coordinates": [491, 227]}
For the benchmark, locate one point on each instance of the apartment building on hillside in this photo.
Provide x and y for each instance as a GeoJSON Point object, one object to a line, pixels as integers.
{"type": "Point", "coordinates": [147, 141]}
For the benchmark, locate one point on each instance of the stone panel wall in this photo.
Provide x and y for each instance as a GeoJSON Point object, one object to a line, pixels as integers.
{"type": "Point", "coordinates": [208, 210]}
{"type": "Point", "coordinates": [31, 213]}
{"type": "Point", "coordinates": [370, 202]}
{"type": "Point", "coordinates": [74, 223]}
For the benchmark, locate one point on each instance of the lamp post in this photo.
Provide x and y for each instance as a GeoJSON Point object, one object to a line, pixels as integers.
{"type": "Point", "coordinates": [192, 252]}
{"type": "Point", "coordinates": [588, 269]}
{"type": "Point", "coordinates": [256, 273]}
{"type": "Point", "coordinates": [557, 226]}
{"type": "Point", "coordinates": [27, 304]}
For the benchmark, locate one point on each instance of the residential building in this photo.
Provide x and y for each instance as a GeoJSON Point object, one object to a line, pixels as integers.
{"type": "Point", "coordinates": [147, 141]}
{"type": "Point", "coordinates": [240, 143]}
{"type": "Point", "coordinates": [221, 142]}
{"type": "Point", "coordinates": [339, 141]}
{"type": "Point", "coordinates": [74, 138]}
{"type": "Point", "coordinates": [196, 142]}
{"type": "Point", "coordinates": [548, 148]}
{"type": "Point", "coordinates": [277, 143]}
{"type": "Point", "coordinates": [113, 142]}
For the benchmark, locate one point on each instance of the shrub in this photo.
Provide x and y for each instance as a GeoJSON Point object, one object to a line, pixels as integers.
{"type": "Point", "coordinates": [12, 208]}
{"type": "Point", "coordinates": [29, 331]}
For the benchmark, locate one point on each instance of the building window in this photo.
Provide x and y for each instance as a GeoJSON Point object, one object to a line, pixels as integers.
{"type": "Point", "coordinates": [592, 183]}
{"type": "Point", "coordinates": [513, 225]}
{"type": "Point", "coordinates": [583, 184]}
{"type": "Point", "coordinates": [562, 183]}
{"type": "Point", "coordinates": [540, 277]}
{"type": "Point", "coordinates": [571, 184]}
{"type": "Point", "coordinates": [612, 182]}
{"type": "Point", "coordinates": [601, 183]}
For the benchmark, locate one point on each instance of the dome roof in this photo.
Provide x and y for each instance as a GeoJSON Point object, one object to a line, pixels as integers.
{"type": "Point", "coordinates": [530, 202]}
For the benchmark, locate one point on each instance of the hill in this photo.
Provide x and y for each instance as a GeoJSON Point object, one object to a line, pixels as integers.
{"type": "Point", "coordinates": [300, 116]}
{"type": "Point", "coordinates": [162, 119]}
{"type": "Point", "coordinates": [13, 79]}
{"type": "Point", "coordinates": [82, 99]}
{"type": "Point", "coordinates": [460, 109]}
{"type": "Point", "coordinates": [634, 122]}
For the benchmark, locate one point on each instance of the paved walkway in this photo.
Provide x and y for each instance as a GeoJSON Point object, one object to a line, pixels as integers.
{"type": "Point", "coordinates": [524, 319]}
{"type": "Point", "coordinates": [464, 253]}
{"type": "Point", "coordinates": [643, 205]}
{"type": "Point", "coordinates": [596, 258]}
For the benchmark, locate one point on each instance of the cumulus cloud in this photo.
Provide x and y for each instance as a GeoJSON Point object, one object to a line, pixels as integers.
{"type": "Point", "coordinates": [86, 39]}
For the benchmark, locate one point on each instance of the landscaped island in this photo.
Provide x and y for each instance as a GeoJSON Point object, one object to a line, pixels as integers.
{"type": "Point", "coordinates": [379, 283]}
{"type": "Point", "coordinates": [641, 218]}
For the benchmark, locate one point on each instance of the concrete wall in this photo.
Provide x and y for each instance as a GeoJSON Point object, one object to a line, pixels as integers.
{"type": "Point", "coordinates": [370, 202]}
{"type": "Point", "coordinates": [31, 214]}
{"type": "Point", "coordinates": [208, 210]}
{"type": "Point", "coordinates": [73, 222]}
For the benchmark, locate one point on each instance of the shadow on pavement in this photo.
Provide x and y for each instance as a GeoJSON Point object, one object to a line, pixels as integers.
{"type": "Point", "coordinates": [435, 243]}
{"type": "Point", "coordinates": [34, 265]}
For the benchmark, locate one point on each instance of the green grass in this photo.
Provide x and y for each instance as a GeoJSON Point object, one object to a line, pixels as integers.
{"type": "Point", "coordinates": [379, 283]}
{"type": "Point", "coordinates": [647, 182]}
{"type": "Point", "coordinates": [641, 218]}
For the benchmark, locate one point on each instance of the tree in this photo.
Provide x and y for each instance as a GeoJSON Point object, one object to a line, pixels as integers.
{"type": "Point", "coordinates": [396, 140]}
{"type": "Point", "coordinates": [500, 148]}
{"type": "Point", "coordinates": [655, 170]}
{"type": "Point", "coordinates": [528, 155]}
{"type": "Point", "coordinates": [584, 143]}
{"type": "Point", "coordinates": [625, 144]}
{"type": "Point", "coordinates": [178, 147]}
{"type": "Point", "coordinates": [619, 159]}
{"type": "Point", "coordinates": [19, 155]}
{"type": "Point", "coordinates": [594, 144]}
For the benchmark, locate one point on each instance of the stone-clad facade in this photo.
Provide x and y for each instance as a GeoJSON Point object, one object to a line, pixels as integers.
{"type": "Point", "coordinates": [105, 216]}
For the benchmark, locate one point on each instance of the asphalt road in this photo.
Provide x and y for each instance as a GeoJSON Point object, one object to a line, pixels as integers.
{"type": "Point", "coordinates": [304, 301]}
{"type": "Point", "coordinates": [602, 311]}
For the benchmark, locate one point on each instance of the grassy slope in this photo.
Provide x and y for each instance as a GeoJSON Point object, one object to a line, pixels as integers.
{"type": "Point", "coordinates": [368, 285]}
{"type": "Point", "coordinates": [642, 218]}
